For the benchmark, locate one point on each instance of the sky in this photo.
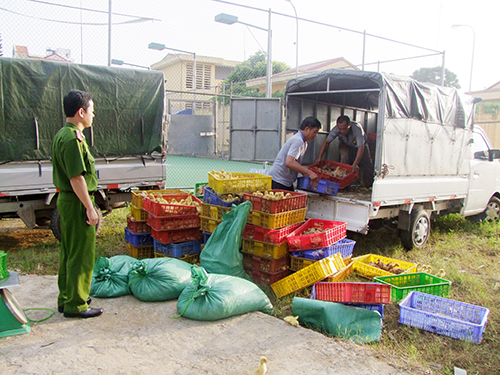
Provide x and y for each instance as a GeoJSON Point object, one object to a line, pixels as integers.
{"type": "Point", "coordinates": [395, 30]}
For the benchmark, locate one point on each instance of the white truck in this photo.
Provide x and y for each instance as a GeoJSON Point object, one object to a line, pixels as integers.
{"type": "Point", "coordinates": [127, 138]}
{"type": "Point", "coordinates": [429, 157]}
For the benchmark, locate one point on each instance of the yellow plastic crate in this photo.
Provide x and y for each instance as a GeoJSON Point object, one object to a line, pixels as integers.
{"type": "Point", "coordinates": [273, 221]}
{"type": "Point", "coordinates": [192, 259]}
{"type": "Point", "coordinates": [341, 274]}
{"type": "Point", "coordinates": [207, 224]}
{"type": "Point", "coordinates": [137, 196]}
{"type": "Point", "coordinates": [362, 267]}
{"type": "Point", "coordinates": [307, 276]}
{"type": "Point", "coordinates": [138, 213]}
{"type": "Point", "coordinates": [264, 249]}
{"type": "Point", "coordinates": [213, 211]}
{"type": "Point", "coordinates": [240, 183]}
{"type": "Point", "coordinates": [297, 263]}
{"type": "Point", "coordinates": [140, 252]}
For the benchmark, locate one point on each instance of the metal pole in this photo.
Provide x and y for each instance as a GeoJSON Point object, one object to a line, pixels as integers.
{"type": "Point", "coordinates": [269, 86]}
{"type": "Point", "coordinates": [296, 40]}
{"type": "Point", "coordinates": [443, 71]}
{"type": "Point", "coordinates": [364, 45]}
{"type": "Point", "coordinates": [472, 61]}
{"type": "Point", "coordinates": [109, 34]}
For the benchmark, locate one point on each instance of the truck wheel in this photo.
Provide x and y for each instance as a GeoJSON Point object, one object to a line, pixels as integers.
{"type": "Point", "coordinates": [420, 229]}
{"type": "Point", "coordinates": [492, 212]}
{"type": "Point", "coordinates": [55, 223]}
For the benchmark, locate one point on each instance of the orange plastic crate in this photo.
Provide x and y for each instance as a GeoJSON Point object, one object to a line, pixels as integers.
{"type": "Point", "coordinates": [370, 293]}
{"type": "Point", "coordinates": [253, 232]}
{"type": "Point", "coordinates": [259, 203]}
{"type": "Point", "coordinates": [343, 182]}
{"type": "Point", "coordinates": [165, 209]}
{"type": "Point", "coordinates": [333, 231]}
{"type": "Point", "coordinates": [173, 222]}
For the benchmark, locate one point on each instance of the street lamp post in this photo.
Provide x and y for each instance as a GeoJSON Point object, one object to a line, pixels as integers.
{"type": "Point", "coordinates": [473, 47]}
{"type": "Point", "coordinates": [229, 20]}
{"type": "Point", "coordinates": [121, 62]}
{"type": "Point", "coordinates": [296, 40]}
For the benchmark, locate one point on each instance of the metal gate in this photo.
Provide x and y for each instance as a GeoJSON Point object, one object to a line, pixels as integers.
{"type": "Point", "coordinates": [255, 129]}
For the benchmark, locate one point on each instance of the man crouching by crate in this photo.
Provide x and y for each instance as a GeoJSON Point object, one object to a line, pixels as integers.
{"type": "Point", "coordinates": [288, 162]}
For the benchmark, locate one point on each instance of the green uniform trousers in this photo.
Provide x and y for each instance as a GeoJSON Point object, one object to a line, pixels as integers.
{"type": "Point", "coordinates": [77, 254]}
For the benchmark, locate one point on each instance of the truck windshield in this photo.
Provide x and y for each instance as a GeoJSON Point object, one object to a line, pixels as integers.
{"type": "Point", "coordinates": [479, 144]}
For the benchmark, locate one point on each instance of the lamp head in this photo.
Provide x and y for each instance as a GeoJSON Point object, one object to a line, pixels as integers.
{"type": "Point", "coordinates": [116, 62]}
{"type": "Point", "coordinates": [156, 46]}
{"type": "Point", "coordinates": [226, 18]}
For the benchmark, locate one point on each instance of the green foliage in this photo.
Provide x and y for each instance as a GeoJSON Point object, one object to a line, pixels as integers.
{"type": "Point", "coordinates": [433, 75]}
{"type": "Point", "coordinates": [488, 107]}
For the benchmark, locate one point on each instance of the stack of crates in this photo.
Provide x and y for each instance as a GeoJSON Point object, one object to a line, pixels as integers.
{"type": "Point", "coordinates": [274, 215]}
{"type": "Point", "coordinates": [174, 220]}
{"type": "Point", "coordinates": [214, 205]}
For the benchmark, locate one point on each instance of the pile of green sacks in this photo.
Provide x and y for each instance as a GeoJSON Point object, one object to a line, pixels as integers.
{"type": "Point", "coordinates": [217, 290]}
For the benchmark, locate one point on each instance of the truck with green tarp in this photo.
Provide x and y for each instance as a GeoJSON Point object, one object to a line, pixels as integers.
{"type": "Point", "coordinates": [127, 138]}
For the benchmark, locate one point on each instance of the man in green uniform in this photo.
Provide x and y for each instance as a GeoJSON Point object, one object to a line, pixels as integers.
{"type": "Point", "coordinates": [75, 177]}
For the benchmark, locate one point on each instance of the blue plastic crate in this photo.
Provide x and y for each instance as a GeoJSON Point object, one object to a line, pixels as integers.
{"type": "Point", "coordinates": [377, 307]}
{"type": "Point", "coordinates": [344, 247]}
{"type": "Point", "coordinates": [211, 197]}
{"type": "Point", "coordinates": [178, 250]}
{"type": "Point", "coordinates": [444, 316]}
{"type": "Point", "coordinates": [138, 239]}
{"type": "Point", "coordinates": [324, 187]}
{"type": "Point", "coordinates": [206, 236]}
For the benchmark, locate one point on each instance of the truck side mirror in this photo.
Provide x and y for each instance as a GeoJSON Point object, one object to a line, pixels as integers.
{"type": "Point", "coordinates": [494, 154]}
{"type": "Point", "coordinates": [481, 155]}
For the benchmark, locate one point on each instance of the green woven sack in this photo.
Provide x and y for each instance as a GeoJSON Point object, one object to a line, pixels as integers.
{"type": "Point", "coordinates": [213, 297]}
{"type": "Point", "coordinates": [159, 279]}
{"type": "Point", "coordinates": [110, 276]}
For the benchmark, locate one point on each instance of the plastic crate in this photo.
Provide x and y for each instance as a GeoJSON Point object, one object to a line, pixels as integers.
{"type": "Point", "coordinates": [192, 259]}
{"type": "Point", "coordinates": [307, 276]}
{"type": "Point", "coordinates": [239, 183]}
{"type": "Point", "coordinates": [323, 187]}
{"type": "Point", "coordinates": [173, 222]}
{"type": "Point", "coordinates": [296, 263]}
{"type": "Point", "coordinates": [177, 235]}
{"type": "Point", "coordinates": [264, 249]}
{"type": "Point", "coordinates": [273, 221]}
{"type": "Point", "coordinates": [200, 188]}
{"type": "Point", "coordinates": [211, 197]}
{"type": "Point", "coordinates": [423, 282]}
{"type": "Point", "coordinates": [352, 292]}
{"type": "Point", "coordinates": [444, 316]}
{"type": "Point", "coordinates": [343, 182]}
{"type": "Point", "coordinates": [166, 209]}
{"type": "Point", "coordinates": [212, 211]}
{"type": "Point", "coordinates": [137, 226]}
{"type": "Point", "coordinates": [256, 263]}
{"type": "Point", "coordinates": [138, 213]}
{"type": "Point", "coordinates": [138, 239]}
{"type": "Point", "coordinates": [266, 278]}
{"type": "Point", "coordinates": [333, 231]}
{"type": "Point", "coordinates": [208, 225]}
{"type": "Point", "coordinates": [140, 252]}
{"type": "Point", "coordinates": [178, 250]}
{"type": "Point", "coordinates": [344, 247]}
{"type": "Point", "coordinates": [138, 196]}
{"type": "Point", "coordinates": [270, 206]}
{"type": "Point", "coordinates": [253, 232]}
{"type": "Point", "coordinates": [206, 236]}
{"type": "Point", "coordinates": [362, 267]}
{"type": "Point", "coordinates": [373, 307]}
{"type": "Point", "coordinates": [341, 274]}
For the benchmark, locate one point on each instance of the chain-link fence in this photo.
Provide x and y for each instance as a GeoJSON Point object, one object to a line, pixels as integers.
{"type": "Point", "coordinates": [205, 63]}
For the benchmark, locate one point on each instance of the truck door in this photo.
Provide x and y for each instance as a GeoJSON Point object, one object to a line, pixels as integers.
{"type": "Point", "coordinates": [484, 175]}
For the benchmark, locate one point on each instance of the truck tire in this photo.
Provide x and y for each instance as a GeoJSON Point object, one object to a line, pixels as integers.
{"type": "Point", "coordinates": [492, 212]}
{"type": "Point", "coordinates": [420, 229]}
{"type": "Point", "coordinates": [55, 223]}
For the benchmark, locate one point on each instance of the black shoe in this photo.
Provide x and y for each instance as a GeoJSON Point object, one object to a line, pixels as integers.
{"type": "Point", "coordinates": [61, 308]}
{"type": "Point", "coordinates": [89, 313]}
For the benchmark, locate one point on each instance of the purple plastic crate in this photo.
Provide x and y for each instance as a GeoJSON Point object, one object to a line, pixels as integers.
{"type": "Point", "coordinates": [211, 197]}
{"type": "Point", "coordinates": [344, 247]}
{"type": "Point", "coordinates": [324, 186]}
{"type": "Point", "coordinates": [178, 250]}
{"type": "Point", "coordinates": [138, 239]}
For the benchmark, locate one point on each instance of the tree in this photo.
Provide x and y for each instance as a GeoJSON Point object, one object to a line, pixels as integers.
{"type": "Point", "coordinates": [433, 75]}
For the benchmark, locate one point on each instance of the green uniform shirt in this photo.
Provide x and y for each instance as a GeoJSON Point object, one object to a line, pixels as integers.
{"type": "Point", "coordinates": [71, 157]}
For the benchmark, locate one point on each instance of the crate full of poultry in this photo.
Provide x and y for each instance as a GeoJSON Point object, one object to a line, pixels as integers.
{"type": "Point", "coordinates": [137, 226]}
{"type": "Point", "coordinates": [226, 200]}
{"type": "Point", "coordinates": [371, 265]}
{"type": "Point", "coordinates": [172, 204]}
{"type": "Point", "coordinates": [139, 195]}
{"type": "Point", "coordinates": [345, 247]}
{"type": "Point", "coordinates": [423, 282]}
{"type": "Point", "coordinates": [269, 265]}
{"type": "Point", "coordinates": [316, 234]}
{"type": "Point", "coordinates": [372, 293]}
{"type": "Point", "coordinates": [297, 263]}
{"type": "Point", "coordinates": [140, 252]}
{"type": "Point", "coordinates": [266, 278]}
{"type": "Point", "coordinates": [236, 183]}
{"type": "Point", "coordinates": [323, 187]}
{"type": "Point", "coordinates": [199, 189]}
{"type": "Point", "coordinates": [276, 201]}
{"type": "Point", "coordinates": [335, 172]}
{"type": "Point", "coordinates": [273, 221]}
{"type": "Point", "coordinates": [264, 249]}
{"type": "Point", "coordinates": [213, 211]}
{"type": "Point", "coordinates": [208, 225]}
{"type": "Point", "coordinates": [138, 239]}
{"type": "Point", "coordinates": [254, 232]}
{"type": "Point", "coordinates": [177, 235]}
{"type": "Point", "coordinates": [173, 221]}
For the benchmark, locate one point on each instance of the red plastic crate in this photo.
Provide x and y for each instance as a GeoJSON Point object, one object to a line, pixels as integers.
{"type": "Point", "coordinates": [254, 232]}
{"type": "Point", "coordinates": [173, 222]}
{"type": "Point", "coordinates": [371, 293]}
{"type": "Point", "coordinates": [256, 263]}
{"type": "Point", "coordinates": [343, 182]}
{"type": "Point", "coordinates": [267, 278]}
{"type": "Point", "coordinates": [333, 231]}
{"type": "Point", "coordinates": [296, 201]}
{"type": "Point", "coordinates": [137, 226]}
{"type": "Point", "coordinates": [165, 209]}
{"type": "Point", "coordinates": [177, 235]}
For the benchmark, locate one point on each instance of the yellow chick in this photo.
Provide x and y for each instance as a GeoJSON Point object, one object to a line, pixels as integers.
{"type": "Point", "coordinates": [441, 273]}
{"type": "Point", "coordinates": [292, 320]}
{"type": "Point", "coordinates": [262, 369]}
